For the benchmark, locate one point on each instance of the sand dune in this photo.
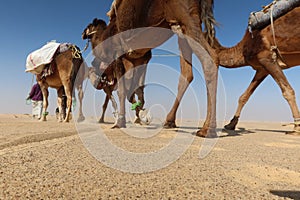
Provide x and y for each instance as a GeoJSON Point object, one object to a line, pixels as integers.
{"type": "Point", "coordinates": [59, 161]}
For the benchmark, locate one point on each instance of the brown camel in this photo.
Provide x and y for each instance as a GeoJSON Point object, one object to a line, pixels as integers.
{"type": "Point", "coordinates": [68, 71]}
{"type": "Point", "coordinates": [183, 18]}
{"type": "Point", "coordinates": [113, 71]}
{"type": "Point", "coordinates": [257, 49]}
{"type": "Point", "coordinates": [106, 81]}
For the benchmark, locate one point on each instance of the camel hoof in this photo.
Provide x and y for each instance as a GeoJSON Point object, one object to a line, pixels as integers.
{"type": "Point", "coordinates": [118, 126]}
{"type": "Point", "coordinates": [101, 121]}
{"type": "Point", "coordinates": [137, 121]}
{"type": "Point", "coordinates": [295, 133]}
{"type": "Point", "coordinates": [170, 124]}
{"type": "Point", "coordinates": [207, 133]}
{"type": "Point", "coordinates": [121, 123]}
{"type": "Point", "coordinates": [232, 124]}
{"type": "Point", "coordinates": [80, 118]}
{"type": "Point", "coordinates": [230, 127]}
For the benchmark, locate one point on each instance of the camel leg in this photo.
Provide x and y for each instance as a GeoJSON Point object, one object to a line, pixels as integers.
{"type": "Point", "coordinates": [114, 104]}
{"type": "Point", "coordinates": [185, 79]}
{"type": "Point", "coordinates": [80, 98]}
{"type": "Point", "coordinates": [68, 92]}
{"type": "Point", "coordinates": [139, 83]}
{"type": "Point", "coordinates": [134, 79]}
{"type": "Point", "coordinates": [121, 120]}
{"type": "Point", "coordinates": [286, 89]}
{"type": "Point", "coordinates": [45, 102]}
{"type": "Point", "coordinates": [141, 76]}
{"type": "Point", "coordinates": [104, 106]}
{"type": "Point", "coordinates": [60, 93]}
{"type": "Point", "coordinates": [191, 28]}
{"type": "Point", "coordinates": [260, 75]}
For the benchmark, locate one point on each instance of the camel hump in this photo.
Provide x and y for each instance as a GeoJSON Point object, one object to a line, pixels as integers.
{"type": "Point", "coordinates": [112, 12]}
{"type": "Point", "coordinates": [261, 19]}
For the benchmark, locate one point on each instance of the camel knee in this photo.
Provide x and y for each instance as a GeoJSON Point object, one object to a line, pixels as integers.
{"type": "Point", "coordinates": [189, 78]}
{"type": "Point", "coordinates": [289, 94]}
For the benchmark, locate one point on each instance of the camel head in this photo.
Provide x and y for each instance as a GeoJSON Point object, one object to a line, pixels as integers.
{"type": "Point", "coordinates": [97, 26]}
{"type": "Point", "coordinates": [98, 33]}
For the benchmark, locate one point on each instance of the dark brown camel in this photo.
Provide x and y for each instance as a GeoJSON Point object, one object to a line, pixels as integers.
{"type": "Point", "coordinates": [68, 71]}
{"type": "Point", "coordinates": [258, 50]}
{"type": "Point", "coordinates": [184, 18]}
{"type": "Point", "coordinates": [106, 81]}
{"type": "Point", "coordinates": [114, 70]}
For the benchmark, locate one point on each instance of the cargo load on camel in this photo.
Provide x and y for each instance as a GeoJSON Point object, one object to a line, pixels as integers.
{"type": "Point", "coordinates": [259, 20]}
{"type": "Point", "coordinates": [39, 61]}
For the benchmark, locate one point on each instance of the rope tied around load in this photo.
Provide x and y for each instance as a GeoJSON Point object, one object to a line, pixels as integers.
{"type": "Point", "coordinates": [75, 52]}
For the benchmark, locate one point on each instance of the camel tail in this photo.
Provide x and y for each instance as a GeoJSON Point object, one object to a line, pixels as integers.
{"type": "Point", "coordinates": [208, 19]}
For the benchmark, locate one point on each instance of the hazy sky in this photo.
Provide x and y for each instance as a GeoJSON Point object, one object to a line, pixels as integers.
{"type": "Point", "coordinates": [28, 25]}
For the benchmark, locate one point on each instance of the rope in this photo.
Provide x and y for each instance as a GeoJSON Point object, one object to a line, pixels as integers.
{"type": "Point", "coordinates": [75, 52]}
{"type": "Point", "coordinates": [272, 26]}
{"type": "Point", "coordinates": [274, 48]}
{"type": "Point", "coordinates": [86, 46]}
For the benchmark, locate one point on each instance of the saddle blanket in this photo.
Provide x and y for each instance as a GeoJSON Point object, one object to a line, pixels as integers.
{"type": "Point", "coordinates": [261, 19]}
{"type": "Point", "coordinates": [37, 60]}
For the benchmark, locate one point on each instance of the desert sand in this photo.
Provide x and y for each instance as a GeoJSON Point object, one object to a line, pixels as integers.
{"type": "Point", "coordinates": [51, 160]}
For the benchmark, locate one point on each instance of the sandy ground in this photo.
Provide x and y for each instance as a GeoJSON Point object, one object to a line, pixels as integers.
{"type": "Point", "coordinates": [52, 160]}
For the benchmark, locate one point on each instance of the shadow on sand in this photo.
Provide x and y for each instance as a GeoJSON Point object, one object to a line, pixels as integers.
{"type": "Point", "coordinates": [275, 131]}
{"type": "Point", "coordinates": [286, 193]}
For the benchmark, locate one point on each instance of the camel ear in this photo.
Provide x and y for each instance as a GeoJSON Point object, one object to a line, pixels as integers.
{"type": "Point", "coordinates": [100, 22]}
{"type": "Point", "coordinates": [95, 22]}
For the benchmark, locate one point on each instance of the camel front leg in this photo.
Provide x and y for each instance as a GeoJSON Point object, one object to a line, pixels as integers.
{"type": "Point", "coordinates": [286, 89]}
{"type": "Point", "coordinates": [192, 31]}
{"type": "Point", "coordinates": [60, 93]}
{"type": "Point", "coordinates": [185, 79]}
{"type": "Point", "coordinates": [210, 69]}
{"type": "Point", "coordinates": [139, 82]}
{"type": "Point", "coordinates": [68, 91]}
{"type": "Point", "coordinates": [260, 75]}
{"type": "Point", "coordinates": [80, 98]}
{"type": "Point", "coordinates": [121, 120]}
{"type": "Point", "coordinates": [104, 106]}
{"type": "Point", "coordinates": [115, 106]}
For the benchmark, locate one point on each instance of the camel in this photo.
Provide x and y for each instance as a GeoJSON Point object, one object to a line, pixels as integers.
{"type": "Point", "coordinates": [258, 49]}
{"type": "Point", "coordinates": [106, 81]}
{"type": "Point", "coordinates": [113, 72]}
{"type": "Point", "coordinates": [68, 71]}
{"type": "Point", "coordinates": [183, 18]}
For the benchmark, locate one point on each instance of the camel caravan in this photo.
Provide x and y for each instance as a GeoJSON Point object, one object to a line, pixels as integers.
{"type": "Point", "coordinates": [122, 50]}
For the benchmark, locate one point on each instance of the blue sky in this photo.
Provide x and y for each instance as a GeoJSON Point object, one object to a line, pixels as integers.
{"type": "Point", "coordinates": [28, 25]}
